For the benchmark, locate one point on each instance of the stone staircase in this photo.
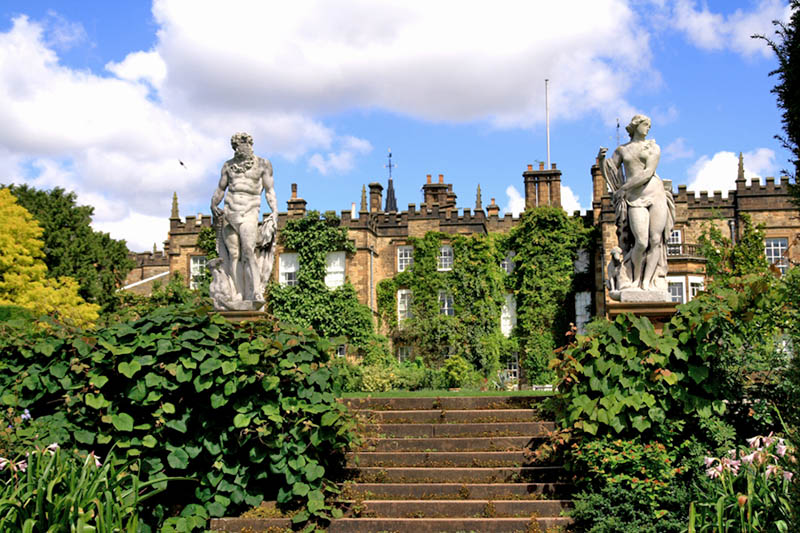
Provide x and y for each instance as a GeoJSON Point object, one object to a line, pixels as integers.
{"type": "Point", "coordinates": [444, 465]}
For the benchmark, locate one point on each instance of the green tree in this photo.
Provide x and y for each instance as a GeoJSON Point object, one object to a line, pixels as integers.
{"type": "Point", "coordinates": [787, 50]}
{"type": "Point", "coordinates": [23, 273]}
{"type": "Point", "coordinates": [71, 248]}
{"type": "Point", "coordinates": [726, 259]}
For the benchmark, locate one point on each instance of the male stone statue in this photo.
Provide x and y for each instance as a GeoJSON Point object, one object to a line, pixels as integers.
{"type": "Point", "coordinates": [246, 248]}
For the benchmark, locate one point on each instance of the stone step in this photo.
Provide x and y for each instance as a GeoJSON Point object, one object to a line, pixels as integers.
{"type": "Point", "coordinates": [377, 474]}
{"type": "Point", "coordinates": [429, 459]}
{"type": "Point", "coordinates": [399, 525]}
{"type": "Point", "coordinates": [463, 491]}
{"type": "Point", "coordinates": [443, 416]}
{"type": "Point", "coordinates": [457, 508]}
{"type": "Point", "coordinates": [449, 444]}
{"type": "Point", "coordinates": [507, 429]}
{"type": "Point", "coordinates": [448, 403]}
{"type": "Point", "coordinates": [440, 525]}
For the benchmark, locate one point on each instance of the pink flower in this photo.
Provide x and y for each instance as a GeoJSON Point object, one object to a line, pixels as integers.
{"type": "Point", "coordinates": [97, 462]}
{"type": "Point", "coordinates": [754, 442]}
{"type": "Point", "coordinates": [770, 470]}
{"type": "Point", "coordinates": [3, 462]}
{"type": "Point", "coordinates": [709, 461]}
{"type": "Point", "coordinates": [748, 459]}
{"type": "Point", "coordinates": [22, 466]}
{"type": "Point", "coordinates": [733, 466]}
{"type": "Point", "coordinates": [787, 475]}
{"type": "Point", "coordinates": [52, 448]}
{"type": "Point", "coordinates": [712, 473]}
{"type": "Point", "coordinates": [780, 449]}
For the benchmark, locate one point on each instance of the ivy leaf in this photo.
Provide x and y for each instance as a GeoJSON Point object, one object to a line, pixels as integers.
{"type": "Point", "coordinates": [698, 373]}
{"type": "Point", "coordinates": [300, 489]}
{"type": "Point", "coordinates": [178, 459]}
{"type": "Point", "coordinates": [314, 471]}
{"type": "Point", "coordinates": [247, 357]}
{"type": "Point", "coordinates": [96, 402]}
{"type": "Point", "coordinates": [241, 420]}
{"type": "Point", "coordinates": [122, 422]}
{"type": "Point", "coordinates": [149, 441]}
{"type": "Point", "coordinates": [129, 369]}
{"type": "Point", "coordinates": [84, 437]}
{"type": "Point", "coordinates": [640, 423]}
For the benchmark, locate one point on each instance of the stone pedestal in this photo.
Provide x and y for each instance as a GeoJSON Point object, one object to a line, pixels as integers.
{"type": "Point", "coordinates": [242, 316]}
{"type": "Point", "coordinates": [659, 313]}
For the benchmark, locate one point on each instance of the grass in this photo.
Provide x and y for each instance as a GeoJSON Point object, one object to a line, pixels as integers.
{"type": "Point", "coordinates": [431, 393]}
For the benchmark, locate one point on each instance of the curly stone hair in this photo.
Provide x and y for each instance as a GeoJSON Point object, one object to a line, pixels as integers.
{"type": "Point", "coordinates": [239, 138]}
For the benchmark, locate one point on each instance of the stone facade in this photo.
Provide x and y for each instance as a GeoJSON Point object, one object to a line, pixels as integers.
{"type": "Point", "coordinates": [377, 234]}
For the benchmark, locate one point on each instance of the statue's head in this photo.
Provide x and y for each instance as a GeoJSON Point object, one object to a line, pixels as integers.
{"type": "Point", "coordinates": [636, 121]}
{"type": "Point", "coordinates": [616, 253]}
{"type": "Point", "coordinates": [241, 139]}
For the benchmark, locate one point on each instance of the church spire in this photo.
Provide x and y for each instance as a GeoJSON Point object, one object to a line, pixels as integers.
{"type": "Point", "coordinates": [391, 201]}
{"type": "Point", "coordinates": [478, 203]}
{"type": "Point", "coordinates": [175, 213]}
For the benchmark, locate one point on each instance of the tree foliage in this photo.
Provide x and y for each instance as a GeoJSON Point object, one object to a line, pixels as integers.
{"type": "Point", "coordinates": [787, 50]}
{"type": "Point", "coordinates": [726, 259]}
{"type": "Point", "coordinates": [72, 248]}
{"type": "Point", "coordinates": [23, 273]}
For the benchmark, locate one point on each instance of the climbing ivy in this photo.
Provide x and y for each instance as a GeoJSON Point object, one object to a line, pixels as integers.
{"type": "Point", "coordinates": [477, 285]}
{"type": "Point", "coordinates": [546, 242]}
{"type": "Point", "coordinates": [331, 312]}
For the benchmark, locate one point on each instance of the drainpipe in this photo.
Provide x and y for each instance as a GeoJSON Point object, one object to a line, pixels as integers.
{"type": "Point", "coordinates": [371, 254]}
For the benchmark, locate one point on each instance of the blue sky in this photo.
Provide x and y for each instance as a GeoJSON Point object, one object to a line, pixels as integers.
{"type": "Point", "coordinates": [104, 98]}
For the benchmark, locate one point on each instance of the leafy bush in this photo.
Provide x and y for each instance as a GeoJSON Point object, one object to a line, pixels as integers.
{"type": "Point", "coordinates": [377, 378]}
{"type": "Point", "coordinates": [249, 411]}
{"type": "Point", "coordinates": [20, 431]}
{"type": "Point", "coordinates": [56, 490]}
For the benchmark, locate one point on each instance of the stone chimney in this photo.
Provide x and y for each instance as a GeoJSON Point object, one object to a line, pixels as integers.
{"type": "Point", "coordinates": [542, 187]}
{"type": "Point", "coordinates": [364, 205]}
{"type": "Point", "coordinates": [439, 193]}
{"type": "Point", "coordinates": [297, 206]}
{"type": "Point", "coordinates": [175, 214]}
{"type": "Point", "coordinates": [478, 202]}
{"type": "Point", "coordinates": [375, 197]}
{"type": "Point", "coordinates": [492, 209]}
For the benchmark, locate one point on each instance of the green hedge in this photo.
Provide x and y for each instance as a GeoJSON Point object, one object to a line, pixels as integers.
{"type": "Point", "coordinates": [248, 411]}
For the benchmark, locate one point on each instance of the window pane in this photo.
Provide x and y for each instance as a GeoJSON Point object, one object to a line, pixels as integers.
{"type": "Point", "coordinates": [288, 266]}
{"type": "Point", "coordinates": [676, 291]}
{"type": "Point", "coordinates": [403, 353]}
{"type": "Point", "coordinates": [334, 269]}
{"type": "Point", "coordinates": [774, 250]}
{"type": "Point", "coordinates": [507, 264]}
{"type": "Point", "coordinates": [446, 303]}
{"type": "Point", "coordinates": [405, 257]}
{"type": "Point", "coordinates": [197, 267]}
{"type": "Point", "coordinates": [508, 315]}
{"type": "Point", "coordinates": [403, 305]}
{"type": "Point", "coordinates": [445, 258]}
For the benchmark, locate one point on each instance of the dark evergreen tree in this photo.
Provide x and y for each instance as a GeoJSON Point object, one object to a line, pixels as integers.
{"type": "Point", "coordinates": [72, 248]}
{"type": "Point", "coordinates": [786, 46]}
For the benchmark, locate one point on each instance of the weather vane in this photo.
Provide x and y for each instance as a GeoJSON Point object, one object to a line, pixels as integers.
{"type": "Point", "coordinates": [390, 165]}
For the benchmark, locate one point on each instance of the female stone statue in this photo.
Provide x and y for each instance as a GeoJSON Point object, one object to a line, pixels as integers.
{"type": "Point", "coordinates": [645, 210]}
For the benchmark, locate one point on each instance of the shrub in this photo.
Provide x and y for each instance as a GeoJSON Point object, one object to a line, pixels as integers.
{"type": "Point", "coordinates": [249, 411]}
{"type": "Point", "coordinates": [377, 378]}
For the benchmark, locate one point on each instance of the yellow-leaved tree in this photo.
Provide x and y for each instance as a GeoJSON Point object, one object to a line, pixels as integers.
{"type": "Point", "coordinates": [23, 280]}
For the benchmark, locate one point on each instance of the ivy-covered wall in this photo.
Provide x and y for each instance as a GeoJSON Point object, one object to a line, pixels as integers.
{"type": "Point", "coordinates": [545, 242]}
{"type": "Point", "coordinates": [331, 312]}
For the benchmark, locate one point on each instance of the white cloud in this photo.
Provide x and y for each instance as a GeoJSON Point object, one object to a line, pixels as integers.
{"type": "Point", "coordinates": [677, 149]}
{"type": "Point", "coordinates": [718, 172]}
{"type": "Point", "coordinates": [570, 201]}
{"type": "Point", "coordinates": [515, 201]}
{"type": "Point", "coordinates": [714, 31]}
{"type": "Point", "coordinates": [141, 66]}
{"type": "Point", "coordinates": [406, 57]}
{"type": "Point", "coordinates": [61, 33]}
{"type": "Point", "coordinates": [342, 161]}
{"type": "Point", "coordinates": [140, 231]}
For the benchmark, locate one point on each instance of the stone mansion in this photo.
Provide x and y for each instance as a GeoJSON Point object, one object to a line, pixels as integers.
{"type": "Point", "coordinates": [380, 231]}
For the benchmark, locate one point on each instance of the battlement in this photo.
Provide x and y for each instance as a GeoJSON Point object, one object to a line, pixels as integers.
{"type": "Point", "coordinates": [769, 187]}
{"type": "Point", "coordinates": [192, 224]}
{"type": "Point", "coordinates": [149, 259]}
